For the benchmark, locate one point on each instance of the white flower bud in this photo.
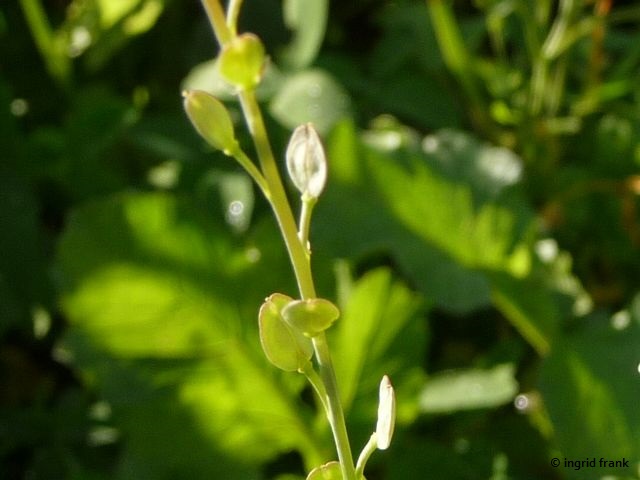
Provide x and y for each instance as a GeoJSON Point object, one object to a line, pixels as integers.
{"type": "Point", "coordinates": [306, 161]}
{"type": "Point", "coordinates": [386, 414]}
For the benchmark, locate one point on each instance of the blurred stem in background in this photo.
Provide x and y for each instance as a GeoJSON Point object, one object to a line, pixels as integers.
{"type": "Point", "coordinates": [51, 46]}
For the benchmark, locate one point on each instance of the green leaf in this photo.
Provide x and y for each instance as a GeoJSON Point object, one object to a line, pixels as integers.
{"type": "Point", "coordinates": [328, 471]}
{"type": "Point", "coordinates": [591, 390]}
{"type": "Point", "coordinates": [285, 347]}
{"type": "Point", "coordinates": [469, 389]}
{"type": "Point", "coordinates": [530, 307]}
{"type": "Point", "coordinates": [310, 96]}
{"type": "Point", "coordinates": [161, 303]}
{"type": "Point", "coordinates": [308, 20]}
{"type": "Point", "coordinates": [442, 233]}
{"type": "Point", "coordinates": [379, 334]}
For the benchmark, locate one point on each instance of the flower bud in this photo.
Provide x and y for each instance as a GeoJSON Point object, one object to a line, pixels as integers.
{"type": "Point", "coordinates": [310, 316]}
{"type": "Point", "coordinates": [242, 61]}
{"type": "Point", "coordinates": [284, 347]}
{"type": "Point", "coordinates": [306, 161]}
{"type": "Point", "coordinates": [386, 414]}
{"type": "Point", "coordinates": [211, 119]}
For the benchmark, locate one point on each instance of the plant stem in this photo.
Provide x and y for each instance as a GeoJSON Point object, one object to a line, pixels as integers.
{"type": "Point", "coordinates": [217, 19]}
{"type": "Point", "coordinates": [233, 12]}
{"type": "Point", "coordinates": [58, 64]}
{"type": "Point", "coordinates": [367, 451]}
{"type": "Point", "coordinates": [304, 223]}
{"type": "Point", "coordinates": [318, 386]}
{"type": "Point", "coordinates": [302, 269]}
{"type": "Point", "coordinates": [336, 415]}
{"type": "Point", "coordinates": [279, 202]}
{"type": "Point", "coordinates": [458, 60]}
{"type": "Point", "coordinates": [298, 254]}
{"type": "Point", "coordinates": [252, 170]}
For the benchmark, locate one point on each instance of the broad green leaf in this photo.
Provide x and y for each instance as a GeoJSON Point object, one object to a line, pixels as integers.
{"type": "Point", "coordinates": [591, 386]}
{"type": "Point", "coordinates": [529, 306]}
{"type": "Point", "coordinates": [310, 96]}
{"type": "Point", "coordinates": [469, 389]}
{"type": "Point", "coordinates": [308, 20]}
{"type": "Point", "coordinates": [441, 233]}
{"type": "Point", "coordinates": [449, 215]}
{"type": "Point", "coordinates": [379, 334]}
{"type": "Point", "coordinates": [162, 306]}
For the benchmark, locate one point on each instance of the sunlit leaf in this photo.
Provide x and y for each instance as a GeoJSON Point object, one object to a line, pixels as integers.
{"type": "Point", "coordinates": [162, 304]}
{"type": "Point", "coordinates": [441, 234]}
{"type": "Point", "coordinates": [380, 333]}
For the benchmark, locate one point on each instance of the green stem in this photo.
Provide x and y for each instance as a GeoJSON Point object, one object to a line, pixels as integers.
{"type": "Point", "coordinates": [297, 251]}
{"type": "Point", "coordinates": [279, 202]}
{"type": "Point", "coordinates": [216, 17]}
{"type": "Point", "coordinates": [58, 64]}
{"type": "Point", "coordinates": [252, 170]}
{"type": "Point", "coordinates": [336, 414]}
{"type": "Point", "coordinates": [302, 269]}
{"type": "Point", "coordinates": [233, 12]}
{"type": "Point", "coordinates": [367, 451]}
{"type": "Point", "coordinates": [318, 386]}
{"type": "Point", "coordinates": [459, 62]}
{"type": "Point", "coordinates": [304, 224]}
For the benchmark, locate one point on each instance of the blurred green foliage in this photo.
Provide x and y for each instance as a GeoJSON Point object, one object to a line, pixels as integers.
{"type": "Point", "coordinates": [480, 232]}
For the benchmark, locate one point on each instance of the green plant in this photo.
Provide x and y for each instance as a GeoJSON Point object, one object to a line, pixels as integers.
{"type": "Point", "coordinates": [291, 331]}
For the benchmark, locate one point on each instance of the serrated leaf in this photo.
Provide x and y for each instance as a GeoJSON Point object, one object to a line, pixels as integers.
{"type": "Point", "coordinates": [449, 234]}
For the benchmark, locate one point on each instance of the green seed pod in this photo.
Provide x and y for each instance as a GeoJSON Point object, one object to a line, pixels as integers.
{"type": "Point", "coordinates": [283, 346]}
{"type": "Point", "coordinates": [242, 61]}
{"type": "Point", "coordinates": [310, 316]}
{"type": "Point", "coordinates": [211, 119]}
{"type": "Point", "coordinates": [328, 471]}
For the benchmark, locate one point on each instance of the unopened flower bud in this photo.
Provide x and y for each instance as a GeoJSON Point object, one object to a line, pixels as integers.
{"type": "Point", "coordinates": [306, 161]}
{"type": "Point", "coordinates": [386, 414]}
{"type": "Point", "coordinates": [242, 61]}
{"type": "Point", "coordinates": [211, 119]}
